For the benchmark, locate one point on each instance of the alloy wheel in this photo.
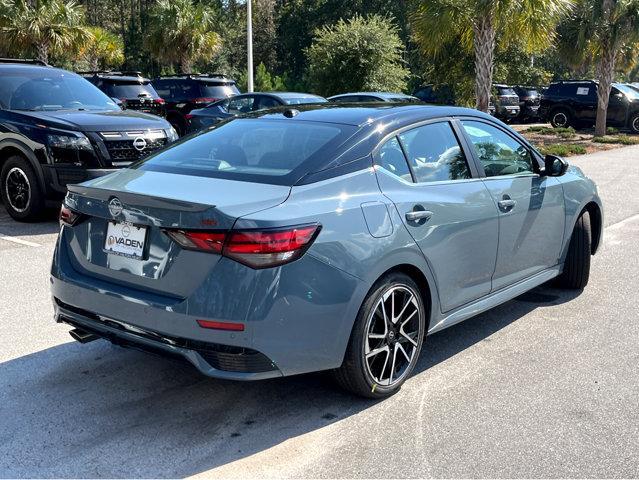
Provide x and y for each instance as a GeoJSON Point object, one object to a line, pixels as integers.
{"type": "Point", "coordinates": [392, 335]}
{"type": "Point", "coordinates": [18, 189]}
{"type": "Point", "coordinates": [560, 119]}
{"type": "Point", "coordinates": [635, 124]}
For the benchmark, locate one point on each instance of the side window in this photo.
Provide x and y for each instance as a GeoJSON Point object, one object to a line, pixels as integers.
{"type": "Point", "coordinates": [267, 102]}
{"type": "Point", "coordinates": [391, 158]}
{"type": "Point", "coordinates": [498, 152]}
{"type": "Point", "coordinates": [346, 99]}
{"type": "Point", "coordinates": [241, 105]}
{"type": "Point", "coordinates": [434, 153]}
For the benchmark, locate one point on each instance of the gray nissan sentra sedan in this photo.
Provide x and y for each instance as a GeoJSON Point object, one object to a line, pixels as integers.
{"type": "Point", "coordinates": [320, 238]}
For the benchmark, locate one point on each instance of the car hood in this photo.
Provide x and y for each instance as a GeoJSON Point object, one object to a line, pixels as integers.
{"type": "Point", "coordinates": [116, 120]}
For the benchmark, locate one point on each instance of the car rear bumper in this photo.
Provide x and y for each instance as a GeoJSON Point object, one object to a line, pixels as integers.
{"type": "Point", "coordinates": [213, 360]}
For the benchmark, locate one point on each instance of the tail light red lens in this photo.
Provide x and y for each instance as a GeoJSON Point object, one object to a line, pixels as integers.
{"type": "Point", "coordinates": [68, 216]}
{"type": "Point", "coordinates": [254, 248]}
{"type": "Point", "coordinates": [159, 100]}
{"type": "Point", "coordinates": [193, 240]}
{"type": "Point", "coordinates": [188, 116]}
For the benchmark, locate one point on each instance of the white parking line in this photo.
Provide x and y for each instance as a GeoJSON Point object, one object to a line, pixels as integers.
{"type": "Point", "coordinates": [19, 241]}
{"type": "Point", "coordinates": [622, 223]}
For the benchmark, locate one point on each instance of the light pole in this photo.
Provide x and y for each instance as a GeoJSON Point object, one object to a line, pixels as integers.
{"type": "Point", "coordinates": [249, 45]}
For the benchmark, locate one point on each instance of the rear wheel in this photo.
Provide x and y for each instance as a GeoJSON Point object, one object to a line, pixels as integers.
{"type": "Point", "coordinates": [386, 339]}
{"type": "Point", "coordinates": [21, 194]}
{"type": "Point", "coordinates": [634, 124]}
{"type": "Point", "coordinates": [560, 118]}
{"type": "Point", "coordinates": [577, 265]}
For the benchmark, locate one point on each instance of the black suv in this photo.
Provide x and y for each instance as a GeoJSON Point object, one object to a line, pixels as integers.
{"type": "Point", "coordinates": [574, 103]}
{"type": "Point", "coordinates": [56, 128]}
{"type": "Point", "coordinates": [529, 100]}
{"type": "Point", "coordinates": [131, 88]}
{"type": "Point", "coordinates": [183, 93]}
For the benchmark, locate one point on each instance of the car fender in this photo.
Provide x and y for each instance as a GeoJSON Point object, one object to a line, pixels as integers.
{"type": "Point", "coordinates": [14, 142]}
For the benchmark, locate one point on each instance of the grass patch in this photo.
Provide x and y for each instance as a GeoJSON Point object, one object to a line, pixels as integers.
{"type": "Point", "coordinates": [563, 132]}
{"type": "Point", "coordinates": [617, 139]}
{"type": "Point", "coordinates": [612, 131]}
{"type": "Point", "coordinates": [563, 149]}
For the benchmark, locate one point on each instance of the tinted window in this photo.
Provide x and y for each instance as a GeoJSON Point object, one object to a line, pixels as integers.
{"type": "Point", "coordinates": [505, 91]}
{"type": "Point", "coordinates": [350, 98]}
{"type": "Point", "coordinates": [44, 89]}
{"type": "Point", "coordinates": [434, 153]}
{"type": "Point", "coordinates": [267, 102]}
{"type": "Point", "coordinates": [163, 88]}
{"type": "Point", "coordinates": [498, 152]}
{"type": "Point", "coordinates": [251, 149]}
{"type": "Point", "coordinates": [298, 100]}
{"type": "Point", "coordinates": [391, 158]}
{"type": "Point", "coordinates": [218, 90]}
{"type": "Point", "coordinates": [628, 91]}
{"type": "Point", "coordinates": [130, 90]}
{"type": "Point", "coordinates": [241, 105]}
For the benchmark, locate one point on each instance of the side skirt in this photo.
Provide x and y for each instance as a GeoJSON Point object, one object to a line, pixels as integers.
{"type": "Point", "coordinates": [496, 298]}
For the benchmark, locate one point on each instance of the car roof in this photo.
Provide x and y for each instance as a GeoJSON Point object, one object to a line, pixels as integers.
{"type": "Point", "coordinates": [23, 67]}
{"type": "Point", "coordinates": [373, 94]}
{"type": "Point", "coordinates": [361, 114]}
{"type": "Point", "coordinates": [116, 76]}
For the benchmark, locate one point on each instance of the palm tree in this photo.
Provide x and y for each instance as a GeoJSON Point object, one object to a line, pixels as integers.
{"type": "Point", "coordinates": [602, 32]}
{"type": "Point", "coordinates": [180, 31]}
{"type": "Point", "coordinates": [478, 25]}
{"type": "Point", "coordinates": [42, 26]}
{"type": "Point", "coordinates": [104, 50]}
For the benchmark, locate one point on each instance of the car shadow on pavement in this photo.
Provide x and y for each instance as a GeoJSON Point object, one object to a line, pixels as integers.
{"type": "Point", "coordinates": [47, 225]}
{"type": "Point", "coordinates": [97, 410]}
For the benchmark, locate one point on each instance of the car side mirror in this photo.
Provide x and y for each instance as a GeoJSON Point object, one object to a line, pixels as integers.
{"type": "Point", "coordinates": [119, 103]}
{"type": "Point", "coordinates": [554, 166]}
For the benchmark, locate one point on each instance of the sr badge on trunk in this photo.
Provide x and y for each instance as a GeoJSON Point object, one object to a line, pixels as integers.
{"type": "Point", "coordinates": [126, 239]}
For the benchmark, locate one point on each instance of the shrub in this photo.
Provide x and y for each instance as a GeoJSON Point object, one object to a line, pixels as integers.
{"type": "Point", "coordinates": [563, 149]}
{"type": "Point", "coordinates": [360, 54]}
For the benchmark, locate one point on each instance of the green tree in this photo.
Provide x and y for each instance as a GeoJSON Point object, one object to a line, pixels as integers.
{"type": "Point", "coordinates": [479, 25]}
{"type": "Point", "coordinates": [602, 32]}
{"type": "Point", "coordinates": [265, 82]}
{"type": "Point", "coordinates": [357, 54]}
{"type": "Point", "coordinates": [181, 31]}
{"type": "Point", "coordinates": [42, 27]}
{"type": "Point", "coordinates": [104, 50]}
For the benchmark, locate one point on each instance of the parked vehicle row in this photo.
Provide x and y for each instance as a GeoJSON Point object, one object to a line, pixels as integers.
{"type": "Point", "coordinates": [56, 129]}
{"type": "Point", "coordinates": [573, 103]}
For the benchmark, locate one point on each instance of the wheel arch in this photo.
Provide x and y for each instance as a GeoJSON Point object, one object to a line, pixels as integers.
{"type": "Point", "coordinates": [596, 224]}
{"type": "Point", "coordinates": [10, 148]}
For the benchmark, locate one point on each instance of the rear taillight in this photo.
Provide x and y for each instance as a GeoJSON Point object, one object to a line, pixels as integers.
{"type": "Point", "coordinates": [68, 216]}
{"type": "Point", "coordinates": [159, 100]}
{"type": "Point", "coordinates": [254, 248]}
{"type": "Point", "coordinates": [188, 116]}
{"type": "Point", "coordinates": [205, 100]}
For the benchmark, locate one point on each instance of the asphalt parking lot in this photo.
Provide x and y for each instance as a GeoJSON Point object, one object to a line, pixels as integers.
{"type": "Point", "coordinates": [546, 385]}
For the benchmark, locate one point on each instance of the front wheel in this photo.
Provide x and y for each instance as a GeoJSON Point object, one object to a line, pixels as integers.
{"type": "Point", "coordinates": [386, 339]}
{"type": "Point", "coordinates": [634, 123]}
{"type": "Point", "coordinates": [577, 265]}
{"type": "Point", "coordinates": [21, 194]}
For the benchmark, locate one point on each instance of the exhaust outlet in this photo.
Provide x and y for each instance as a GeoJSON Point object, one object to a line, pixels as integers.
{"type": "Point", "coordinates": [82, 336]}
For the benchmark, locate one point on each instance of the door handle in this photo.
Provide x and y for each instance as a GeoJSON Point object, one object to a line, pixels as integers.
{"type": "Point", "coordinates": [416, 215]}
{"type": "Point", "coordinates": [507, 204]}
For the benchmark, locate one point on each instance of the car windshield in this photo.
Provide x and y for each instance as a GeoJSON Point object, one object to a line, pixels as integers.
{"type": "Point", "coordinates": [529, 92]}
{"type": "Point", "coordinates": [629, 92]}
{"type": "Point", "coordinates": [219, 90]}
{"type": "Point", "coordinates": [505, 91]}
{"type": "Point", "coordinates": [37, 90]}
{"type": "Point", "coordinates": [131, 90]}
{"type": "Point", "coordinates": [261, 150]}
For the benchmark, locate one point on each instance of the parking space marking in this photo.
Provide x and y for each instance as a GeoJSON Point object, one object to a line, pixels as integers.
{"type": "Point", "coordinates": [622, 223]}
{"type": "Point", "coordinates": [19, 241]}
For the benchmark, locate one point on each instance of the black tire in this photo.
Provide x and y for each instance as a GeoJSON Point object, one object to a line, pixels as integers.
{"type": "Point", "coordinates": [577, 266]}
{"type": "Point", "coordinates": [355, 373]}
{"type": "Point", "coordinates": [21, 193]}
{"type": "Point", "coordinates": [560, 117]}
{"type": "Point", "coordinates": [634, 123]}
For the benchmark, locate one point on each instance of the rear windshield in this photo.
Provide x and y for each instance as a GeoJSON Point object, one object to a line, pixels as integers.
{"type": "Point", "coordinates": [130, 90]}
{"type": "Point", "coordinates": [255, 150]}
{"type": "Point", "coordinates": [218, 90]}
